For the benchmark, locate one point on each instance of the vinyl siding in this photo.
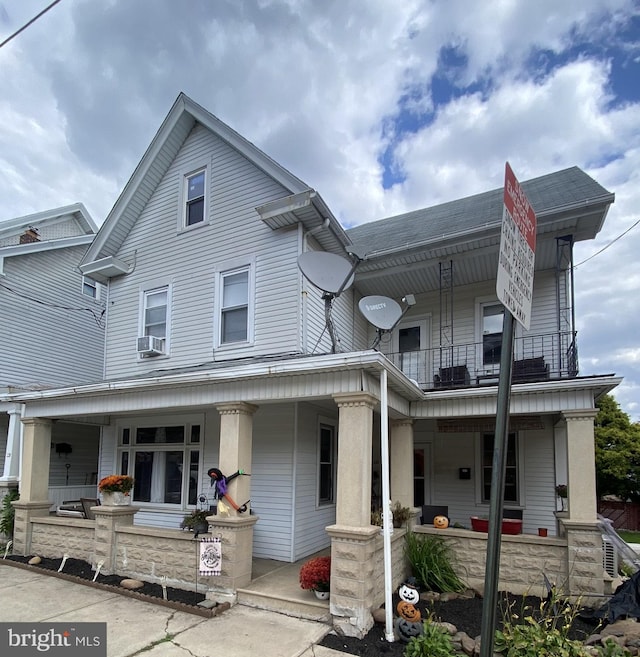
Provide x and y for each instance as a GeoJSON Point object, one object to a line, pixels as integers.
{"type": "Point", "coordinates": [51, 333]}
{"type": "Point", "coordinates": [189, 260]}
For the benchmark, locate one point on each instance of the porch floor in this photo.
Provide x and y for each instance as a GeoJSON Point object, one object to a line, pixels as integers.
{"type": "Point", "coordinates": [276, 586]}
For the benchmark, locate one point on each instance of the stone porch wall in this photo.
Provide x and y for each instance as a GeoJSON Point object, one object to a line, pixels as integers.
{"type": "Point", "coordinates": [400, 568]}
{"type": "Point", "coordinates": [524, 559]}
{"type": "Point", "coordinates": [52, 537]}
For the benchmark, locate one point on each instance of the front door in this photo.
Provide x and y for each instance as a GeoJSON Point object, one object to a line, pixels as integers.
{"type": "Point", "coordinates": [411, 339]}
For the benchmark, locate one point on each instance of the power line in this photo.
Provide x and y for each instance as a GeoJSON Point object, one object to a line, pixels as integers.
{"type": "Point", "coordinates": [604, 248]}
{"type": "Point", "coordinates": [33, 20]}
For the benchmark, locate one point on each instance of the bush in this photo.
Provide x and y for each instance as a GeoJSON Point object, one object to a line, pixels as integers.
{"type": "Point", "coordinates": [432, 563]}
{"type": "Point", "coordinates": [433, 642]}
{"type": "Point", "coordinates": [539, 633]}
{"type": "Point", "coordinates": [8, 513]}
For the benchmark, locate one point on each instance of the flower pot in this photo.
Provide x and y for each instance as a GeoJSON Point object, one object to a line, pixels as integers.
{"type": "Point", "coordinates": [509, 525]}
{"type": "Point", "coordinates": [322, 595]}
{"type": "Point", "coordinates": [116, 498]}
{"type": "Point", "coordinates": [542, 531]}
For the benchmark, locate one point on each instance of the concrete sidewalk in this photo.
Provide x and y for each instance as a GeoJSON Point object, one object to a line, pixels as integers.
{"type": "Point", "coordinates": [134, 626]}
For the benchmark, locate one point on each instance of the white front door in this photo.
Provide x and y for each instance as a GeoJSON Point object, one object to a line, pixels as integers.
{"type": "Point", "coordinates": [411, 342]}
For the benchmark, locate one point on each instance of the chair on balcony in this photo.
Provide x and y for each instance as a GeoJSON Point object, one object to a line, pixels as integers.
{"type": "Point", "coordinates": [529, 369]}
{"type": "Point", "coordinates": [452, 377]}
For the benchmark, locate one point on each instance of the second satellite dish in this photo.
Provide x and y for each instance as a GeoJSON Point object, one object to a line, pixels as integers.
{"type": "Point", "coordinates": [382, 312]}
{"type": "Point", "coordinates": [328, 271]}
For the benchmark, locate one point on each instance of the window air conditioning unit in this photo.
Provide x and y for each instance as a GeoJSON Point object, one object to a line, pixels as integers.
{"type": "Point", "coordinates": [609, 556]}
{"type": "Point", "coordinates": [148, 345]}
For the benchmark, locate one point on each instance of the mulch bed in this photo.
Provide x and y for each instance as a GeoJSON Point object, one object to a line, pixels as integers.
{"type": "Point", "coordinates": [464, 613]}
{"type": "Point", "coordinates": [80, 572]}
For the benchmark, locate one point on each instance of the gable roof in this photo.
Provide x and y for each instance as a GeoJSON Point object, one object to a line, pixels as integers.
{"type": "Point", "coordinates": [157, 159]}
{"type": "Point", "coordinates": [550, 195]}
{"type": "Point", "coordinates": [44, 223]}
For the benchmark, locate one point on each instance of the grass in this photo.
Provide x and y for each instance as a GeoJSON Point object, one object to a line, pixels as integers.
{"type": "Point", "coordinates": [629, 536]}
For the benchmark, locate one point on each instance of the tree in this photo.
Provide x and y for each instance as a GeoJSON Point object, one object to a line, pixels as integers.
{"type": "Point", "coordinates": [617, 452]}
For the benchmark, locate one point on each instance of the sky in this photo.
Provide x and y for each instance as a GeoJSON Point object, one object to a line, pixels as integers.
{"type": "Point", "coordinates": [383, 106]}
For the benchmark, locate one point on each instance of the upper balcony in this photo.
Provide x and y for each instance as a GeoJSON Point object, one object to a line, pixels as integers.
{"type": "Point", "coordinates": [537, 358]}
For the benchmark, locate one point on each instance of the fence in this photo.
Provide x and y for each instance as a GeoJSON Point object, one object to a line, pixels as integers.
{"type": "Point", "coordinates": [623, 515]}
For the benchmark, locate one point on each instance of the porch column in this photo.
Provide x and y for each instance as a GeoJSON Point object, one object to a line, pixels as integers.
{"type": "Point", "coordinates": [11, 470]}
{"type": "Point", "coordinates": [584, 541]}
{"type": "Point", "coordinates": [581, 465]}
{"type": "Point", "coordinates": [236, 530]}
{"type": "Point", "coordinates": [34, 484]}
{"type": "Point", "coordinates": [355, 428]}
{"type": "Point", "coordinates": [401, 457]}
{"type": "Point", "coordinates": [353, 539]}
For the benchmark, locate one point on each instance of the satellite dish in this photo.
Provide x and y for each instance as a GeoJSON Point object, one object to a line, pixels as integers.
{"type": "Point", "coordinates": [382, 312]}
{"type": "Point", "coordinates": [327, 271]}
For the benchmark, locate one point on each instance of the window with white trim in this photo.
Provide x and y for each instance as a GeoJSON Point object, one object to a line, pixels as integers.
{"type": "Point", "coordinates": [234, 309]}
{"type": "Point", "coordinates": [492, 320]}
{"type": "Point", "coordinates": [512, 468]}
{"type": "Point", "coordinates": [326, 462]}
{"type": "Point", "coordinates": [164, 461]}
{"type": "Point", "coordinates": [93, 289]}
{"type": "Point", "coordinates": [155, 312]}
{"type": "Point", "coordinates": [195, 198]}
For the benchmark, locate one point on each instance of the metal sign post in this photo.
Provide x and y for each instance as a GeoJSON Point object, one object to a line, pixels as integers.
{"type": "Point", "coordinates": [514, 288]}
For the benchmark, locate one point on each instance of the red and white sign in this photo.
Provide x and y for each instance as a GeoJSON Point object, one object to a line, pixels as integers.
{"type": "Point", "coordinates": [514, 285]}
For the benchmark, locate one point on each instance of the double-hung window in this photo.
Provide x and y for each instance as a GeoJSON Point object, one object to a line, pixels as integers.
{"type": "Point", "coordinates": [155, 312]}
{"type": "Point", "coordinates": [194, 196]}
{"type": "Point", "coordinates": [512, 469]}
{"type": "Point", "coordinates": [164, 461]}
{"type": "Point", "coordinates": [234, 309]}
{"type": "Point", "coordinates": [90, 288]}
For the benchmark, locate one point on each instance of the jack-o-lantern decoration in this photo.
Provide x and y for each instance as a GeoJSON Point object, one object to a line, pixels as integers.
{"type": "Point", "coordinates": [406, 630]}
{"type": "Point", "coordinates": [409, 612]}
{"type": "Point", "coordinates": [409, 593]}
{"type": "Point", "coordinates": [441, 522]}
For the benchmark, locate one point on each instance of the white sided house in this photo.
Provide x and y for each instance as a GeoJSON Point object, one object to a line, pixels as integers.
{"type": "Point", "coordinates": [51, 335]}
{"type": "Point", "coordinates": [218, 355]}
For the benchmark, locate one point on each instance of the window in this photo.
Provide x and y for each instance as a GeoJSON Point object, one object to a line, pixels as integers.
{"type": "Point", "coordinates": [155, 312]}
{"type": "Point", "coordinates": [326, 463]}
{"type": "Point", "coordinates": [234, 312]}
{"type": "Point", "coordinates": [195, 185]}
{"type": "Point", "coordinates": [512, 478]}
{"type": "Point", "coordinates": [492, 318]}
{"type": "Point", "coordinates": [164, 461]}
{"type": "Point", "coordinates": [91, 288]}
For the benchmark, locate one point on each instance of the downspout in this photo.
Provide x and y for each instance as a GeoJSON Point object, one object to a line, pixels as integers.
{"type": "Point", "coordinates": [305, 238]}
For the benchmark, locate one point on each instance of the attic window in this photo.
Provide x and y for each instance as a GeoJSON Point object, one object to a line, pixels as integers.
{"type": "Point", "coordinates": [195, 201]}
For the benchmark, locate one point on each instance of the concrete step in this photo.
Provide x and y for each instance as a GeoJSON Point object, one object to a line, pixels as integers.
{"type": "Point", "coordinates": [316, 610]}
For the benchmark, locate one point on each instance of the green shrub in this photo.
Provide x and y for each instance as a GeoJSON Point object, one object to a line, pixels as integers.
{"type": "Point", "coordinates": [8, 513]}
{"type": "Point", "coordinates": [433, 642]}
{"type": "Point", "coordinates": [432, 562]}
{"type": "Point", "coordinates": [539, 633]}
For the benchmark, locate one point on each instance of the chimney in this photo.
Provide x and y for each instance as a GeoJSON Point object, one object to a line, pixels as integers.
{"type": "Point", "coordinates": [30, 235]}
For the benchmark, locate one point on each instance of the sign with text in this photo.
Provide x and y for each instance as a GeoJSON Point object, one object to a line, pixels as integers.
{"type": "Point", "coordinates": [53, 639]}
{"type": "Point", "coordinates": [514, 285]}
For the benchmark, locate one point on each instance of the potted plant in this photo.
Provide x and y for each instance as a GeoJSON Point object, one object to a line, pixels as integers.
{"type": "Point", "coordinates": [196, 521]}
{"type": "Point", "coordinates": [315, 575]}
{"type": "Point", "coordinates": [561, 492]}
{"type": "Point", "coordinates": [400, 514]}
{"type": "Point", "coordinates": [116, 490]}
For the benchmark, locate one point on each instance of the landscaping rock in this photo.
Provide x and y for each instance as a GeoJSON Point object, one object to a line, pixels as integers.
{"type": "Point", "coordinates": [131, 584]}
{"type": "Point", "coordinates": [34, 560]}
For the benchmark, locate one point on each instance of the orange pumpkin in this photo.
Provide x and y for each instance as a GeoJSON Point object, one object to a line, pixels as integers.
{"type": "Point", "coordinates": [441, 522]}
{"type": "Point", "coordinates": [409, 612]}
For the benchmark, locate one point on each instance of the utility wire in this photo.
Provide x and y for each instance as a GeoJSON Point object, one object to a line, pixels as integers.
{"type": "Point", "coordinates": [33, 20]}
{"type": "Point", "coordinates": [604, 248]}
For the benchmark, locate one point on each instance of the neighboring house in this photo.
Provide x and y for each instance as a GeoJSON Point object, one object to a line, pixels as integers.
{"type": "Point", "coordinates": [51, 335]}
{"type": "Point", "coordinates": [218, 356]}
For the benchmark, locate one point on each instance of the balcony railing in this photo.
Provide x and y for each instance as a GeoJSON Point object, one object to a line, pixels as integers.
{"type": "Point", "coordinates": [536, 358]}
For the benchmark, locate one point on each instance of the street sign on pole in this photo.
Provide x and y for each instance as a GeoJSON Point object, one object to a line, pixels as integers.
{"type": "Point", "coordinates": [515, 288]}
{"type": "Point", "coordinates": [514, 284]}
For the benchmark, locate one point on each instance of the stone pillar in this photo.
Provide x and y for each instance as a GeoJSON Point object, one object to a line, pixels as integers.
{"type": "Point", "coordinates": [108, 519]}
{"type": "Point", "coordinates": [11, 470]}
{"type": "Point", "coordinates": [584, 561]}
{"type": "Point", "coordinates": [353, 578]}
{"type": "Point", "coordinates": [34, 484]}
{"type": "Point", "coordinates": [236, 538]}
{"type": "Point", "coordinates": [401, 462]}
{"type": "Point", "coordinates": [581, 465]}
{"type": "Point", "coordinates": [36, 448]}
{"type": "Point", "coordinates": [355, 427]}
{"type": "Point", "coordinates": [236, 439]}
